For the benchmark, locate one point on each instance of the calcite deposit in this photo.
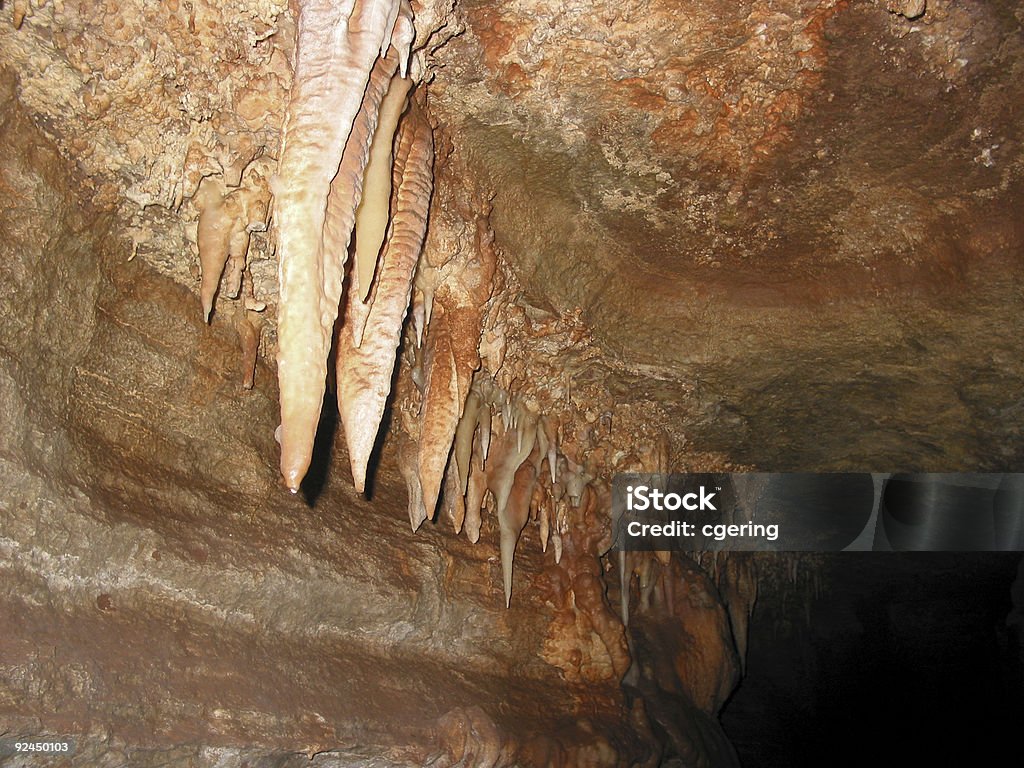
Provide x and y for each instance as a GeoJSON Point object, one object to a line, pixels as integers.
{"type": "Point", "coordinates": [584, 238]}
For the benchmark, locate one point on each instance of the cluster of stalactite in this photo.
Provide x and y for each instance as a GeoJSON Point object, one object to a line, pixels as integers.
{"type": "Point", "coordinates": [506, 461]}
{"type": "Point", "coordinates": [480, 431]}
{"type": "Point", "coordinates": [355, 164]}
{"type": "Point", "coordinates": [232, 206]}
{"type": "Point", "coordinates": [472, 444]}
{"type": "Point", "coordinates": [355, 174]}
{"type": "Point", "coordinates": [356, 160]}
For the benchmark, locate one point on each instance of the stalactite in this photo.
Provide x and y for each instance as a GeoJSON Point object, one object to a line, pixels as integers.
{"type": "Point", "coordinates": [347, 185]}
{"type": "Point", "coordinates": [249, 337]}
{"type": "Point", "coordinates": [513, 448]}
{"type": "Point", "coordinates": [512, 519]}
{"type": "Point", "coordinates": [408, 466]}
{"type": "Point", "coordinates": [475, 492]}
{"type": "Point", "coordinates": [337, 47]}
{"type": "Point", "coordinates": [468, 432]}
{"type": "Point", "coordinates": [238, 248]}
{"type": "Point", "coordinates": [511, 479]}
{"type": "Point", "coordinates": [372, 213]}
{"type": "Point", "coordinates": [418, 315]}
{"type": "Point", "coordinates": [454, 499]}
{"type": "Point", "coordinates": [464, 435]}
{"type": "Point", "coordinates": [540, 493]}
{"type": "Point", "coordinates": [450, 351]}
{"type": "Point", "coordinates": [648, 579]}
{"type": "Point", "coordinates": [544, 522]}
{"type": "Point", "coordinates": [540, 455]}
{"type": "Point", "coordinates": [484, 422]}
{"type": "Point", "coordinates": [550, 427]}
{"type": "Point", "coordinates": [365, 370]}
{"type": "Point", "coordinates": [213, 234]}
{"type": "Point", "coordinates": [440, 409]}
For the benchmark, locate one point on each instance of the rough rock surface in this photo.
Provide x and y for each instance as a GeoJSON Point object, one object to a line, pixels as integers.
{"type": "Point", "coordinates": [675, 235]}
{"type": "Point", "coordinates": [159, 588]}
{"type": "Point", "coordinates": [765, 205]}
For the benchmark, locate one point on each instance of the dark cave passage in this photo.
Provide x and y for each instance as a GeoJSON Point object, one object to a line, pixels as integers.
{"type": "Point", "coordinates": [901, 659]}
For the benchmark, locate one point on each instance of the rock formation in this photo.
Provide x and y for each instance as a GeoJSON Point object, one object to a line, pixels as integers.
{"type": "Point", "coordinates": [584, 240]}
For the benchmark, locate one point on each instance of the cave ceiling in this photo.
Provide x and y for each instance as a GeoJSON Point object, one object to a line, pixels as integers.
{"type": "Point", "coordinates": [748, 206]}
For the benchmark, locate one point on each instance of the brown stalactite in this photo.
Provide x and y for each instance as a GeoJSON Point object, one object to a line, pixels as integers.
{"type": "Point", "coordinates": [365, 365]}
{"type": "Point", "coordinates": [249, 336]}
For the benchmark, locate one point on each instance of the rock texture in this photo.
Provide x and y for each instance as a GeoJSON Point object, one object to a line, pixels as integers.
{"type": "Point", "coordinates": [818, 198]}
{"type": "Point", "coordinates": [642, 236]}
{"type": "Point", "coordinates": [159, 588]}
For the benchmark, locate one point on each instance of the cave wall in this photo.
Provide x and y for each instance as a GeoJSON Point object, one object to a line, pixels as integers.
{"type": "Point", "coordinates": [160, 589]}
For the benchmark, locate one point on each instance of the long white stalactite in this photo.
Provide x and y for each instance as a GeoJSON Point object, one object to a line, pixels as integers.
{"type": "Point", "coordinates": [372, 213]}
{"type": "Point", "coordinates": [368, 339]}
{"type": "Point", "coordinates": [338, 45]}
